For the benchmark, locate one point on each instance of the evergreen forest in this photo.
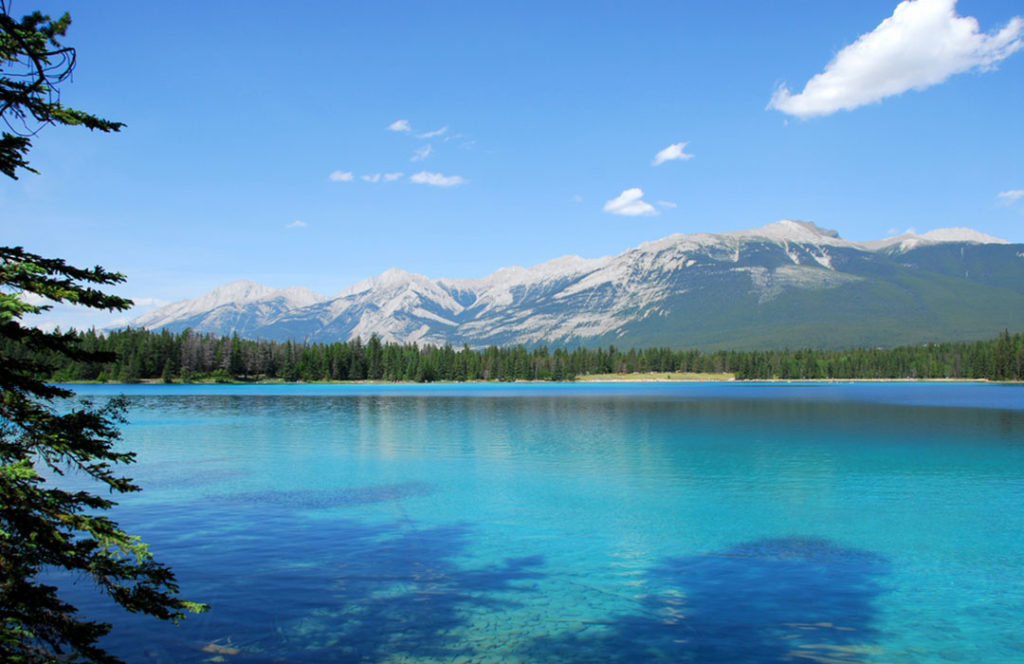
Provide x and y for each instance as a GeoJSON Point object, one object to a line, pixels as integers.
{"type": "Point", "coordinates": [144, 355]}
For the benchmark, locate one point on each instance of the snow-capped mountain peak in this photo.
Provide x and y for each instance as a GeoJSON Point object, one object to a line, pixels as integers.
{"type": "Point", "coordinates": [908, 241]}
{"type": "Point", "coordinates": [387, 280]}
{"type": "Point", "coordinates": [676, 286]}
{"type": "Point", "coordinates": [298, 296]}
{"type": "Point", "coordinates": [961, 235]}
{"type": "Point", "coordinates": [237, 292]}
{"type": "Point", "coordinates": [790, 230]}
{"type": "Point", "coordinates": [235, 295]}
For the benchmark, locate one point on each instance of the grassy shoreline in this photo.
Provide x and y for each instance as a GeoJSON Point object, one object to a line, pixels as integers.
{"type": "Point", "coordinates": [656, 377]}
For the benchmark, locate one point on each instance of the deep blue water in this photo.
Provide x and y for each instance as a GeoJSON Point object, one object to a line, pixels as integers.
{"type": "Point", "coordinates": [580, 523]}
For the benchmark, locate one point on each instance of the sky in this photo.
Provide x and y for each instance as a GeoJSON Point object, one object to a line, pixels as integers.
{"type": "Point", "coordinates": [320, 143]}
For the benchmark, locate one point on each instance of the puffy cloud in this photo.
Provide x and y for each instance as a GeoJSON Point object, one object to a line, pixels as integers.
{"type": "Point", "coordinates": [421, 153]}
{"type": "Point", "coordinates": [431, 134]}
{"type": "Point", "coordinates": [672, 153]}
{"type": "Point", "coordinates": [391, 177]}
{"type": "Point", "coordinates": [1010, 197]}
{"type": "Point", "coordinates": [922, 44]}
{"type": "Point", "coordinates": [340, 176]}
{"type": "Point", "coordinates": [437, 179]}
{"type": "Point", "coordinates": [375, 177]}
{"type": "Point", "coordinates": [296, 224]}
{"type": "Point", "coordinates": [400, 125]}
{"type": "Point", "coordinates": [630, 203]}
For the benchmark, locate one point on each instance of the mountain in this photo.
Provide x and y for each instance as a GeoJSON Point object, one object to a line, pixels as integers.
{"type": "Point", "coordinates": [787, 284]}
{"type": "Point", "coordinates": [241, 306]}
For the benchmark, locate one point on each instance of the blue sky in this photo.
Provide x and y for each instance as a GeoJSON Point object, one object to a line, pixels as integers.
{"type": "Point", "coordinates": [251, 126]}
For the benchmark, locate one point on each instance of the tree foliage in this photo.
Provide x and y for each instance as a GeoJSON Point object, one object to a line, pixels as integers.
{"type": "Point", "coordinates": [32, 64]}
{"type": "Point", "coordinates": [43, 436]}
{"type": "Point", "coordinates": [188, 356]}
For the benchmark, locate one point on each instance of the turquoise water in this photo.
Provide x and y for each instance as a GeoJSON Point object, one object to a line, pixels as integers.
{"type": "Point", "coordinates": [580, 523]}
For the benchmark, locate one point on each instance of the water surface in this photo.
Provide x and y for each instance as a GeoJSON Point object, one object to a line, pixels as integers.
{"type": "Point", "coordinates": [580, 523]}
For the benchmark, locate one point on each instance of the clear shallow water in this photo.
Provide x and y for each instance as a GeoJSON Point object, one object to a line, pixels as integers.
{"type": "Point", "coordinates": [580, 523]}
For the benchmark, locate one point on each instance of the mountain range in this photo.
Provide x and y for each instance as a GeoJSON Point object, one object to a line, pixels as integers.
{"type": "Point", "coordinates": [788, 284]}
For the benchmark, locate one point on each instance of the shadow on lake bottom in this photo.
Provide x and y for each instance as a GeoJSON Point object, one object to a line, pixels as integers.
{"type": "Point", "coordinates": [774, 600]}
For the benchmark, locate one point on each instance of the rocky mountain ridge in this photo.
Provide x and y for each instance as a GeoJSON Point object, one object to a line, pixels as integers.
{"type": "Point", "coordinates": [787, 283]}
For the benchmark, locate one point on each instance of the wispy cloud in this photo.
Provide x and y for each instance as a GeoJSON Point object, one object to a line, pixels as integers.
{"type": "Point", "coordinates": [373, 177]}
{"type": "Point", "coordinates": [296, 224]}
{"type": "Point", "coordinates": [1010, 197]}
{"type": "Point", "coordinates": [437, 179]}
{"type": "Point", "coordinates": [668, 205]}
{"type": "Point", "coordinates": [138, 302]}
{"type": "Point", "coordinates": [400, 125]}
{"type": "Point", "coordinates": [630, 203]}
{"type": "Point", "coordinates": [391, 177]}
{"type": "Point", "coordinates": [421, 153]}
{"type": "Point", "coordinates": [922, 44]}
{"type": "Point", "coordinates": [673, 152]}
{"type": "Point", "coordinates": [431, 134]}
{"type": "Point", "coordinates": [340, 176]}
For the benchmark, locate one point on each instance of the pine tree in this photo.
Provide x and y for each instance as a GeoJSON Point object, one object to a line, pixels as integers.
{"type": "Point", "coordinates": [41, 525]}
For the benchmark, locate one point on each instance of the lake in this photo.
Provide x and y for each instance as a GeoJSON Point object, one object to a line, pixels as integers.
{"type": "Point", "coordinates": [717, 522]}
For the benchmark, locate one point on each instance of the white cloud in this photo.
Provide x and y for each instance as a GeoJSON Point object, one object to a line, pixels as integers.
{"type": "Point", "coordinates": [922, 44]}
{"type": "Point", "coordinates": [422, 153]}
{"type": "Point", "coordinates": [437, 179]}
{"type": "Point", "coordinates": [65, 316]}
{"type": "Point", "coordinates": [391, 177]}
{"type": "Point", "coordinates": [340, 176]}
{"type": "Point", "coordinates": [671, 153]}
{"type": "Point", "coordinates": [1011, 197]}
{"type": "Point", "coordinates": [296, 224]}
{"type": "Point", "coordinates": [431, 134]}
{"type": "Point", "coordinates": [150, 301]}
{"type": "Point", "coordinates": [400, 125]}
{"type": "Point", "coordinates": [630, 203]}
{"type": "Point", "coordinates": [375, 177]}
{"type": "Point", "coordinates": [667, 204]}
{"type": "Point", "coordinates": [34, 299]}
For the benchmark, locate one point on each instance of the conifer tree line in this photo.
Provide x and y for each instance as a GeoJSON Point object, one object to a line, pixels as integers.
{"type": "Point", "coordinates": [189, 356]}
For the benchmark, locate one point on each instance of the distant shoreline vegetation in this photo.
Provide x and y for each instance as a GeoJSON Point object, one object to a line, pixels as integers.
{"type": "Point", "coordinates": [188, 357]}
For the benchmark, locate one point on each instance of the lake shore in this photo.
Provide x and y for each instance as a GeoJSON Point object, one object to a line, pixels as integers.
{"type": "Point", "coordinates": [650, 377]}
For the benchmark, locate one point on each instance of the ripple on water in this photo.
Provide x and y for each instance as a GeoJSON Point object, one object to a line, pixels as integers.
{"type": "Point", "coordinates": [331, 498]}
